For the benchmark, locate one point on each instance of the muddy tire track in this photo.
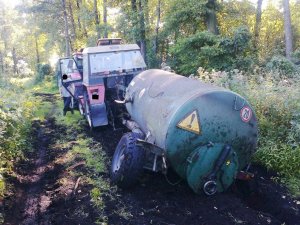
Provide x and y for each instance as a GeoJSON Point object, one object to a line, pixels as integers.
{"type": "Point", "coordinates": [30, 200]}
{"type": "Point", "coordinates": [35, 202]}
{"type": "Point", "coordinates": [42, 192]}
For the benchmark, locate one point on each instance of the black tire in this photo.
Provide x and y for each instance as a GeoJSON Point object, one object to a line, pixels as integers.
{"type": "Point", "coordinates": [128, 161]}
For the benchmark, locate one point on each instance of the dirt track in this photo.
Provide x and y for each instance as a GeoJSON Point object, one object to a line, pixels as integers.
{"type": "Point", "coordinates": [40, 197]}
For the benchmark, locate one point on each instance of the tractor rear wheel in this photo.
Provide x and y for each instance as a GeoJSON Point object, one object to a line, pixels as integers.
{"type": "Point", "coordinates": [81, 107]}
{"type": "Point", "coordinates": [88, 113]}
{"type": "Point", "coordinates": [128, 161]}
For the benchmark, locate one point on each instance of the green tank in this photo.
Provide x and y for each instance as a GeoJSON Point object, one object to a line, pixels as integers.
{"type": "Point", "coordinates": [207, 133]}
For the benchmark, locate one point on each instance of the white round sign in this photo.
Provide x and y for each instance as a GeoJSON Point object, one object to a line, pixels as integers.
{"type": "Point", "coordinates": [246, 114]}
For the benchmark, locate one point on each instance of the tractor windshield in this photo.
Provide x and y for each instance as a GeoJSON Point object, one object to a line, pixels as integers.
{"type": "Point", "coordinates": [115, 61]}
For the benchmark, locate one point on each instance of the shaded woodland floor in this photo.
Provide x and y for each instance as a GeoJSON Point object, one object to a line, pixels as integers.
{"type": "Point", "coordinates": [47, 190]}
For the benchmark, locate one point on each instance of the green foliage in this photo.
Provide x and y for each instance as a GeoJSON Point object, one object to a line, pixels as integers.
{"type": "Point", "coordinates": [16, 111]}
{"type": "Point", "coordinates": [209, 51]}
{"type": "Point", "coordinates": [281, 158]}
{"type": "Point", "coordinates": [185, 16]}
{"type": "Point", "coordinates": [42, 71]}
{"type": "Point", "coordinates": [282, 65]}
{"type": "Point", "coordinates": [296, 56]}
{"type": "Point", "coordinates": [96, 196]}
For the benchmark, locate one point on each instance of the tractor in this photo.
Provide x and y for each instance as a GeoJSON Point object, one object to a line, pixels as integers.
{"type": "Point", "coordinates": [107, 69]}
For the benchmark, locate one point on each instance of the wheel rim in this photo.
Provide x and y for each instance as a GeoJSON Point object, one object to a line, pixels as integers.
{"type": "Point", "coordinates": [81, 109]}
{"type": "Point", "coordinates": [88, 114]}
{"type": "Point", "coordinates": [117, 162]}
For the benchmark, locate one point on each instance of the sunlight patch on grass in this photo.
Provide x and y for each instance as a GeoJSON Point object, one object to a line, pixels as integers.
{"type": "Point", "coordinates": [70, 120]}
{"type": "Point", "coordinates": [96, 196]}
{"type": "Point", "coordinates": [22, 82]}
{"type": "Point", "coordinates": [42, 110]}
{"type": "Point", "coordinates": [2, 186]}
{"type": "Point", "coordinates": [48, 87]}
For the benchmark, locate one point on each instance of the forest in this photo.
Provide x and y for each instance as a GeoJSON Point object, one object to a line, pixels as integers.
{"type": "Point", "coordinates": [251, 47]}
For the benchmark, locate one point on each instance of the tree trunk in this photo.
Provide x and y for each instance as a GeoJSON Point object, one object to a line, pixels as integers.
{"type": "Point", "coordinates": [85, 33]}
{"type": "Point", "coordinates": [105, 18]}
{"type": "Point", "coordinates": [4, 33]}
{"type": "Point", "coordinates": [67, 36]}
{"type": "Point", "coordinates": [1, 62]}
{"type": "Point", "coordinates": [37, 52]}
{"type": "Point", "coordinates": [72, 21]}
{"type": "Point", "coordinates": [287, 29]}
{"type": "Point", "coordinates": [142, 31]}
{"type": "Point", "coordinates": [157, 26]}
{"type": "Point", "coordinates": [211, 17]}
{"type": "Point", "coordinates": [81, 23]}
{"type": "Point", "coordinates": [257, 24]}
{"type": "Point", "coordinates": [134, 20]}
{"type": "Point", "coordinates": [133, 6]}
{"type": "Point", "coordinates": [15, 61]}
{"type": "Point", "coordinates": [78, 16]}
{"type": "Point", "coordinates": [97, 21]}
{"type": "Point", "coordinates": [146, 13]}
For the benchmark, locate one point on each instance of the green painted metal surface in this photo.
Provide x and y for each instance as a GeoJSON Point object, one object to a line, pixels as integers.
{"type": "Point", "coordinates": [219, 123]}
{"type": "Point", "coordinates": [200, 164]}
{"type": "Point", "coordinates": [184, 116]}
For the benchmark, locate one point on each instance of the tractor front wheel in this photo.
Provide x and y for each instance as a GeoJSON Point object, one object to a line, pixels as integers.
{"type": "Point", "coordinates": [128, 161]}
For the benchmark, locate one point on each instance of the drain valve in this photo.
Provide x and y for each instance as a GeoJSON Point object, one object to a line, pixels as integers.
{"type": "Point", "coordinates": [210, 187]}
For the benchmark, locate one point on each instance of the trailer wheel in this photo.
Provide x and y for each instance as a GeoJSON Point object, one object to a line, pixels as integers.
{"type": "Point", "coordinates": [128, 161]}
{"type": "Point", "coordinates": [87, 107]}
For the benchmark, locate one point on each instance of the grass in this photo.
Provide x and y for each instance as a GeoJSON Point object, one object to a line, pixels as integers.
{"type": "Point", "coordinates": [47, 86]}
{"type": "Point", "coordinates": [42, 110]}
{"type": "Point", "coordinates": [2, 185]}
{"type": "Point", "coordinates": [75, 121]}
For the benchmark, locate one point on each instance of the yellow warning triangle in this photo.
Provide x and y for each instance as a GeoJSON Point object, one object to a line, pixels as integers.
{"type": "Point", "coordinates": [190, 123]}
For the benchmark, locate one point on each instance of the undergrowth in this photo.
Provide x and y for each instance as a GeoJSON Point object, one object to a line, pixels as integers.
{"type": "Point", "coordinates": [17, 108]}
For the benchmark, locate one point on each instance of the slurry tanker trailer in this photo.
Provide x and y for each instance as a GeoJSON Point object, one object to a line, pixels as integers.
{"type": "Point", "coordinates": [207, 134]}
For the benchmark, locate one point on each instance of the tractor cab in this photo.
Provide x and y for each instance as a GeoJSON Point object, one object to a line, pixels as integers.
{"type": "Point", "coordinates": [107, 70]}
